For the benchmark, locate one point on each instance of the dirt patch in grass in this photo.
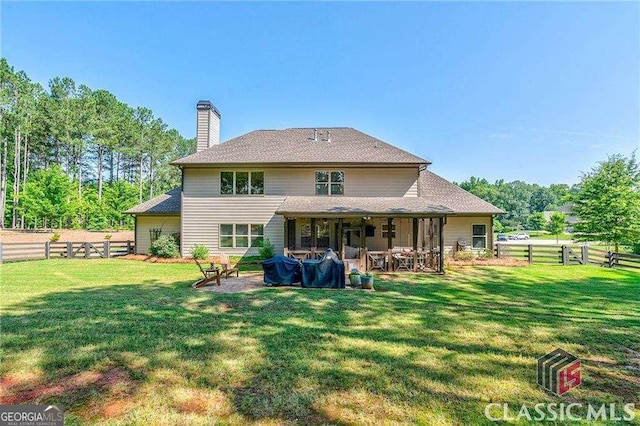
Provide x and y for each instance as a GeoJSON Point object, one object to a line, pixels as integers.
{"type": "Point", "coordinates": [80, 385]}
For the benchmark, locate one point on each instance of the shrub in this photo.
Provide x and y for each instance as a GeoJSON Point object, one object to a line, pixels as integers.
{"type": "Point", "coordinates": [485, 254]}
{"type": "Point", "coordinates": [464, 255]}
{"type": "Point", "coordinates": [165, 246]}
{"type": "Point", "coordinates": [200, 252]}
{"type": "Point", "coordinates": [267, 249]}
{"type": "Point", "coordinates": [55, 237]}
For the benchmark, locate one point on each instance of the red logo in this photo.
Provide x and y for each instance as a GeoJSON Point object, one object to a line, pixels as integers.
{"type": "Point", "coordinates": [559, 372]}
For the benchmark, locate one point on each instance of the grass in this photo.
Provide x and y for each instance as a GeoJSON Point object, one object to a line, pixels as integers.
{"type": "Point", "coordinates": [125, 342]}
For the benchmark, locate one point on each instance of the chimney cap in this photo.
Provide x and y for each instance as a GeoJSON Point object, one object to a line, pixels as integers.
{"type": "Point", "coordinates": [204, 104]}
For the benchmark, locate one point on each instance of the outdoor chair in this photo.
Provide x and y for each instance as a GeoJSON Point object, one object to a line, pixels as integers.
{"type": "Point", "coordinates": [210, 275]}
{"type": "Point", "coordinates": [226, 266]}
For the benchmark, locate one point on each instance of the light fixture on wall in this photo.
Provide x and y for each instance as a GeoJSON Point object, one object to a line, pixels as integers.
{"type": "Point", "coordinates": [325, 220]}
{"type": "Point", "coordinates": [366, 217]}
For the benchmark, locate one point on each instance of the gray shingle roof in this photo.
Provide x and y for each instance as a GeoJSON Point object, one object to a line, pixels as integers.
{"type": "Point", "coordinates": [438, 190]}
{"type": "Point", "coordinates": [376, 206]}
{"type": "Point", "coordinates": [167, 203]}
{"type": "Point", "coordinates": [296, 145]}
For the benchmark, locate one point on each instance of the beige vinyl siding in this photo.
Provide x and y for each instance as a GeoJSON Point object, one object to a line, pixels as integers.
{"type": "Point", "coordinates": [460, 227]}
{"type": "Point", "coordinates": [207, 129]}
{"type": "Point", "coordinates": [359, 182]}
{"type": "Point", "coordinates": [202, 130]}
{"type": "Point", "coordinates": [144, 223]}
{"type": "Point", "coordinates": [404, 231]}
{"type": "Point", "coordinates": [201, 219]}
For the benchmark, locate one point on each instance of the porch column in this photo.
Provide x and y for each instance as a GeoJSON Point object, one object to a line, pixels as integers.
{"type": "Point", "coordinates": [286, 237]}
{"type": "Point", "coordinates": [389, 243]}
{"type": "Point", "coordinates": [363, 251]}
{"type": "Point", "coordinates": [314, 237]}
{"type": "Point", "coordinates": [339, 242]}
{"type": "Point", "coordinates": [414, 236]}
{"type": "Point", "coordinates": [441, 238]}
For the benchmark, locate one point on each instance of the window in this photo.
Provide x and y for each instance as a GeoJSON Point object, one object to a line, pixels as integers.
{"type": "Point", "coordinates": [385, 230]}
{"type": "Point", "coordinates": [329, 182]}
{"type": "Point", "coordinates": [242, 183]}
{"type": "Point", "coordinates": [240, 235]}
{"type": "Point", "coordinates": [479, 236]}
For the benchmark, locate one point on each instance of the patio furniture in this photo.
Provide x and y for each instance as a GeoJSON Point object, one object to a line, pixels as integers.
{"type": "Point", "coordinates": [377, 260]}
{"type": "Point", "coordinates": [282, 270]}
{"type": "Point", "coordinates": [226, 269]}
{"type": "Point", "coordinates": [327, 272]}
{"type": "Point", "coordinates": [210, 275]}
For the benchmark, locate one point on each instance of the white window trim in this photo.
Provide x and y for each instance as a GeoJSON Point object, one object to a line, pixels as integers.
{"type": "Point", "coordinates": [486, 236]}
{"type": "Point", "coordinates": [249, 183]}
{"type": "Point", "coordinates": [235, 235]}
{"type": "Point", "coordinates": [393, 230]}
{"type": "Point", "coordinates": [329, 182]}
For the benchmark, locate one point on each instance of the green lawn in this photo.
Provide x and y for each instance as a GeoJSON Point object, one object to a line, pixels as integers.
{"type": "Point", "coordinates": [126, 342]}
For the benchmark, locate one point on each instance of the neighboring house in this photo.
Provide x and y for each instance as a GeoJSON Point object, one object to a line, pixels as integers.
{"type": "Point", "coordinates": [306, 187]}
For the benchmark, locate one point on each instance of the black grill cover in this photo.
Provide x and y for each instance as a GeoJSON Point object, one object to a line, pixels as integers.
{"type": "Point", "coordinates": [327, 272]}
{"type": "Point", "coordinates": [281, 270]}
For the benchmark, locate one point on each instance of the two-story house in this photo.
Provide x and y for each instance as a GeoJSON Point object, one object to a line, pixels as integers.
{"type": "Point", "coordinates": [306, 189]}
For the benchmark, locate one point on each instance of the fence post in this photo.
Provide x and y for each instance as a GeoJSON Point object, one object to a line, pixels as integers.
{"type": "Point", "coordinates": [87, 252]}
{"type": "Point", "coordinates": [610, 258]}
{"type": "Point", "coordinates": [499, 250]}
{"type": "Point", "coordinates": [129, 250]}
{"type": "Point", "coordinates": [530, 254]}
{"type": "Point", "coordinates": [565, 255]}
{"type": "Point", "coordinates": [69, 249]}
{"type": "Point", "coordinates": [585, 254]}
{"type": "Point", "coordinates": [106, 249]}
{"type": "Point", "coordinates": [47, 250]}
{"type": "Point", "coordinates": [0, 252]}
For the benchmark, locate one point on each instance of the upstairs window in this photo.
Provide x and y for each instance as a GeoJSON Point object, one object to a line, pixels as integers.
{"type": "Point", "coordinates": [330, 182]}
{"type": "Point", "coordinates": [242, 183]}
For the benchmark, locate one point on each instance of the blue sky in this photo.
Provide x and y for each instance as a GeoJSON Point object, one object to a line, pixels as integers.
{"type": "Point", "coordinates": [531, 91]}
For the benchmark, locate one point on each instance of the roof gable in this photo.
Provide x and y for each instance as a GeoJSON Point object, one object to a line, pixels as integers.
{"type": "Point", "coordinates": [297, 145]}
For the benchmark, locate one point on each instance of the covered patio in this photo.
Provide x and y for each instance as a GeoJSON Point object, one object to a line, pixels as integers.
{"type": "Point", "coordinates": [385, 234]}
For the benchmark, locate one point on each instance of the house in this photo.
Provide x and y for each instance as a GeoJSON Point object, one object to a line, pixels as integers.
{"type": "Point", "coordinates": [312, 188]}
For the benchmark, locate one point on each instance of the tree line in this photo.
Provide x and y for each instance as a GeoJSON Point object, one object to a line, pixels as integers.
{"type": "Point", "coordinates": [524, 203]}
{"type": "Point", "coordinates": [606, 203]}
{"type": "Point", "coordinates": [72, 156]}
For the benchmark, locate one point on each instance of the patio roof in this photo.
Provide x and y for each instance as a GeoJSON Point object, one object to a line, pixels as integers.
{"type": "Point", "coordinates": [361, 206]}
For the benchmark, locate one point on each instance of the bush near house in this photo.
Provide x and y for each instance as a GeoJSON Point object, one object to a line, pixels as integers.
{"type": "Point", "coordinates": [165, 246]}
{"type": "Point", "coordinates": [199, 252]}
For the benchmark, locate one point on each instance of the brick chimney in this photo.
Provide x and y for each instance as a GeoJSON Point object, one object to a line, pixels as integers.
{"type": "Point", "coordinates": [208, 126]}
